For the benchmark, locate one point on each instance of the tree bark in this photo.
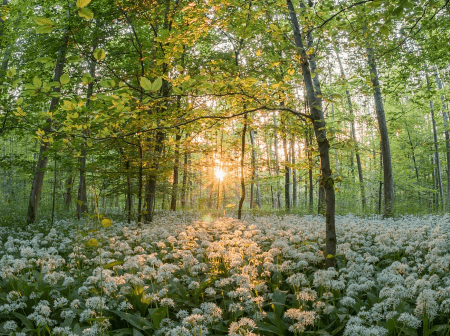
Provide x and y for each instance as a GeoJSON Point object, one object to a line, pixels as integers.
{"type": "Point", "coordinates": [353, 134]}
{"type": "Point", "coordinates": [38, 180]}
{"type": "Point", "coordinates": [294, 174]}
{"type": "Point", "coordinates": [322, 141]}
{"type": "Point", "coordinates": [256, 198]}
{"type": "Point", "coordinates": [287, 174]}
{"type": "Point", "coordinates": [150, 190]}
{"type": "Point", "coordinates": [241, 200]}
{"type": "Point", "coordinates": [437, 158]}
{"type": "Point", "coordinates": [277, 161]}
{"type": "Point", "coordinates": [446, 133]}
{"type": "Point", "coordinates": [388, 180]}
{"type": "Point", "coordinates": [184, 181]}
{"type": "Point", "coordinates": [173, 201]}
{"type": "Point", "coordinates": [82, 206]}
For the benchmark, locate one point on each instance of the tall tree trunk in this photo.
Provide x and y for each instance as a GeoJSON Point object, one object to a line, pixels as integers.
{"type": "Point", "coordinates": [255, 198]}
{"type": "Point", "coordinates": [446, 133]}
{"type": "Point", "coordinates": [150, 189]}
{"type": "Point", "coordinates": [436, 148]}
{"type": "Point", "coordinates": [68, 192]}
{"type": "Point", "coordinates": [269, 169]}
{"type": "Point", "coordinates": [38, 180]}
{"type": "Point", "coordinates": [353, 134]}
{"type": "Point", "coordinates": [321, 138]}
{"type": "Point", "coordinates": [184, 181]}
{"type": "Point", "coordinates": [287, 174]}
{"type": "Point", "coordinates": [82, 206]}
{"type": "Point", "coordinates": [388, 180]}
{"type": "Point", "coordinates": [140, 178]}
{"type": "Point", "coordinates": [173, 201]}
{"type": "Point", "coordinates": [294, 174]}
{"type": "Point", "coordinates": [241, 200]}
{"type": "Point", "coordinates": [277, 160]}
{"type": "Point", "coordinates": [308, 140]}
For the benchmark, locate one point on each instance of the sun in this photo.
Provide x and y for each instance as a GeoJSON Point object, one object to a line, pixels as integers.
{"type": "Point", "coordinates": [220, 174]}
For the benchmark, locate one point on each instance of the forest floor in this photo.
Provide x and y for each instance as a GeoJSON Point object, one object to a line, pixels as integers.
{"type": "Point", "coordinates": [187, 274]}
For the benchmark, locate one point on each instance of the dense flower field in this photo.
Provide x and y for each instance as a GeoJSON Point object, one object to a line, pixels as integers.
{"type": "Point", "coordinates": [186, 275]}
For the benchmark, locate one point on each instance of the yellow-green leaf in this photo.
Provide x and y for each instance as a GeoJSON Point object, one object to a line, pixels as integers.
{"type": "Point", "coordinates": [42, 21]}
{"type": "Point", "coordinates": [19, 101]}
{"type": "Point", "coordinates": [11, 72]}
{"type": "Point", "coordinates": [106, 222]}
{"type": "Point", "coordinates": [86, 13]}
{"type": "Point", "coordinates": [99, 54]}
{"type": "Point", "coordinates": [82, 3]}
{"type": "Point", "coordinates": [156, 85]}
{"type": "Point", "coordinates": [145, 83]}
{"type": "Point", "coordinates": [64, 79]}
{"type": "Point", "coordinates": [37, 82]}
{"type": "Point", "coordinates": [44, 30]}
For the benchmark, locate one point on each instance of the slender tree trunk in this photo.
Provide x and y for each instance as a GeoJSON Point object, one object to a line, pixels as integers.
{"type": "Point", "coordinates": [150, 190]}
{"type": "Point", "coordinates": [255, 198]}
{"type": "Point", "coordinates": [241, 200]}
{"type": "Point", "coordinates": [82, 207]}
{"type": "Point", "coordinates": [41, 164]}
{"type": "Point", "coordinates": [68, 192]}
{"type": "Point", "coordinates": [446, 133]}
{"type": "Point", "coordinates": [173, 201]}
{"type": "Point", "coordinates": [277, 161]}
{"type": "Point", "coordinates": [308, 141]}
{"type": "Point", "coordinates": [140, 179]}
{"type": "Point", "coordinates": [287, 174]}
{"type": "Point", "coordinates": [321, 138]}
{"type": "Point", "coordinates": [269, 169]}
{"type": "Point", "coordinates": [388, 180]}
{"type": "Point", "coordinates": [436, 148]}
{"type": "Point", "coordinates": [294, 174]}
{"type": "Point", "coordinates": [353, 134]}
{"type": "Point", "coordinates": [54, 191]}
{"type": "Point", "coordinates": [412, 152]}
{"type": "Point", "coordinates": [184, 181]}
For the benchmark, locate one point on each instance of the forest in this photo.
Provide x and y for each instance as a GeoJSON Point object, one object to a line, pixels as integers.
{"type": "Point", "coordinates": [224, 167]}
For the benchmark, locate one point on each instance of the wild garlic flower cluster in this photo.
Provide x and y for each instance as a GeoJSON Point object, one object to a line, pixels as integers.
{"type": "Point", "coordinates": [187, 274]}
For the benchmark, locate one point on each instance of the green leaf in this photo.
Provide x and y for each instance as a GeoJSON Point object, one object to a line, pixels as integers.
{"type": "Point", "coordinates": [145, 83]}
{"type": "Point", "coordinates": [11, 72]}
{"type": "Point", "coordinates": [265, 326]}
{"type": "Point", "coordinates": [44, 30]}
{"type": "Point", "coordinates": [42, 21]}
{"type": "Point", "coordinates": [37, 82]}
{"type": "Point", "coordinates": [26, 322]}
{"type": "Point", "coordinates": [82, 3]}
{"type": "Point", "coordinates": [99, 54]}
{"type": "Point", "coordinates": [138, 322]}
{"type": "Point", "coordinates": [86, 13]}
{"type": "Point", "coordinates": [156, 85]}
{"type": "Point", "coordinates": [158, 315]}
{"type": "Point", "coordinates": [73, 59]}
{"type": "Point", "coordinates": [137, 333]}
{"type": "Point", "coordinates": [19, 101]}
{"type": "Point", "coordinates": [64, 79]}
{"type": "Point", "coordinates": [112, 264]}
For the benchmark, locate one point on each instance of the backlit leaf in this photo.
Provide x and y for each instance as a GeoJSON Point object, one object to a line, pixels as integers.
{"type": "Point", "coordinates": [44, 30]}
{"type": "Point", "coordinates": [64, 79]}
{"type": "Point", "coordinates": [99, 54]}
{"type": "Point", "coordinates": [145, 83]}
{"type": "Point", "coordinates": [42, 21]}
{"type": "Point", "coordinates": [86, 13]}
{"type": "Point", "coordinates": [82, 3]}
{"type": "Point", "coordinates": [156, 85]}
